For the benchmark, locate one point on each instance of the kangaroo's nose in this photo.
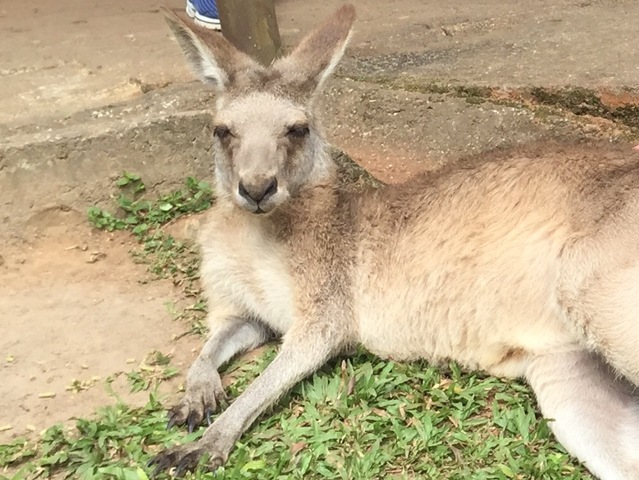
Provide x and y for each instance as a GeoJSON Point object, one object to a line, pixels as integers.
{"type": "Point", "coordinates": [258, 191]}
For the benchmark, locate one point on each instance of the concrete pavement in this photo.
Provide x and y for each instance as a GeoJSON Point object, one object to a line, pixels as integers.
{"type": "Point", "coordinates": [91, 87]}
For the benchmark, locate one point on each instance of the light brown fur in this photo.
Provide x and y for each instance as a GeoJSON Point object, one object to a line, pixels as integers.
{"type": "Point", "coordinates": [522, 265]}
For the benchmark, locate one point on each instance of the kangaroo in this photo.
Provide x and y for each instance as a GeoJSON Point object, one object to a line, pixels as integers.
{"type": "Point", "coordinates": [521, 266]}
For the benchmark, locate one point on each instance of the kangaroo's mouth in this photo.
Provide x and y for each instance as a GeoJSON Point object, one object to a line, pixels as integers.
{"type": "Point", "coordinates": [257, 209]}
{"type": "Point", "coordinates": [263, 207]}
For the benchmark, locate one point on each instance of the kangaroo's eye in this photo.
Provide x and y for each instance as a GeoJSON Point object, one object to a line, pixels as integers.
{"type": "Point", "coordinates": [298, 131]}
{"type": "Point", "coordinates": [222, 132]}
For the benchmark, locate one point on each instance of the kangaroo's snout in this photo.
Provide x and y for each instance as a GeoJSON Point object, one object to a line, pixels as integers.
{"type": "Point", "coordinates": [257, 192]}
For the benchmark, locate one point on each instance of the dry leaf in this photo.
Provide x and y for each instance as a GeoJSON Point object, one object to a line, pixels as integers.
{"type": "Point", "coordinates": [379, 412]}
{"type": "Point", "coordinates": [351, 386]}
{"type": "Point", "coordinates": [297, 447]}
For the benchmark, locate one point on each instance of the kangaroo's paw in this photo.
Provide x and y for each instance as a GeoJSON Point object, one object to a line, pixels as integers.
{"type": "Point", "coordinates": [202, 397]}
{"type": "Point", "coordinates": [184, 458]}
{"type": "Point", "coordinates": [211, 452]}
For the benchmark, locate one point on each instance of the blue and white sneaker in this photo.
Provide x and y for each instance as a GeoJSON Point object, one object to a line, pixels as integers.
{"type": "Point", "coordinates": [204, 13]}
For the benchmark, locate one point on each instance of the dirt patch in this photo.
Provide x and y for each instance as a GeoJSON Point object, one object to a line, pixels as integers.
{"type": "Point", "coordinates": [76, 311]}
{"type": "Point", "coordinates": [394, 166]}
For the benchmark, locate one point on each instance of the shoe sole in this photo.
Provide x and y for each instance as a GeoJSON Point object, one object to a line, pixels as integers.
{"type": "Point", "coordinates": [207, 22]}
{"type": "Point", "coordinates": [190, 9]}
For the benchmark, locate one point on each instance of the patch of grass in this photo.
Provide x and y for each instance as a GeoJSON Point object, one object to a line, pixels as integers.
{"type": "Point", "coordinates": [143, 216]}
{"type": "Point", "coordinates": [428, 87]}
{"type": "Point", "coordinates": [627, 114]}
{"type": "Point", "coordinates": [166, 256]}
{"type": "Point", "coordinates": [579, 101]}
{"type": "Point", "coordinates": [583, 101]}
{"type": "Point", "coordinates": [474, 94]}
{"type": "Point", "coordinates": [152, 370]}
{"type": "Point", "coordinates": [15, 452]}
{"type": "Point", "coordinates": [356, 418]}
{"type": "Point", "coordinates": [351, 174]}
{"type": "Point", "coordinates": [113, 445]}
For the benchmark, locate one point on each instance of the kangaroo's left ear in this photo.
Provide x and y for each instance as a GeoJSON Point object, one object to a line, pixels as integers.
{"type": "Point", "coordinates": [317, 55]}
{"type": "Point", "coordinates": [212, 58]}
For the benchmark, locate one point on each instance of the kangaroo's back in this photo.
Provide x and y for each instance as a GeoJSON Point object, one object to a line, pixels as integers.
{"type": "Point", "coordinates": [469, 262]}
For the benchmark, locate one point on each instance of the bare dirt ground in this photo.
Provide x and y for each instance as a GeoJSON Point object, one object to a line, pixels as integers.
{"type": "Point", "coordinates": [71, 303]}
{"type": "Point", "coordinates": [74, 309]}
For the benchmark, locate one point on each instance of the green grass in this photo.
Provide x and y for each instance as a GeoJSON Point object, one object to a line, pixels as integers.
{"type": "Point", "coordinates": [395, 421]}
{"type": "Point", "coordinates": [165, 256]}
{"type": "Point", "coordinates": [154, 369]}
{"type": "Point", "coordinates": [143, 216]}
{"type": "Point", "coordinates": [357, 418]}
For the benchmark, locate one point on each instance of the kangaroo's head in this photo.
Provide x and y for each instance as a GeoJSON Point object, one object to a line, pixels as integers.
{"type": "Point", "coordinates": [266, 139]}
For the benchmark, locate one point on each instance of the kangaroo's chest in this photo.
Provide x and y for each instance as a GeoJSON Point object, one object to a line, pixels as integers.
{"type": "Point", "coordinates": [249, 273]}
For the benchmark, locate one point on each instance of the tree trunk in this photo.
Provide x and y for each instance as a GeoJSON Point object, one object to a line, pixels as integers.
{"type": "Point", "coordinates": [251, 25]}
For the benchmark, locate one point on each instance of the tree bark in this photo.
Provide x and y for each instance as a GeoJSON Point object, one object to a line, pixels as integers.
{"type": "Point", "coordinates": [251, 25]}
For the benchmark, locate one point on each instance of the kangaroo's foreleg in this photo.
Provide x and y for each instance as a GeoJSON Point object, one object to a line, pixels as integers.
{"type": "Point", "coordinates": [304, 350]}
{"type": "Point", "coordinates": [203, 383]}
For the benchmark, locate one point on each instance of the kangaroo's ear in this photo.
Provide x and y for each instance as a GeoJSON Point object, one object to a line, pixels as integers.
{"type": "Point", "coordinates": [319, 52]}
{"type": "Point", "coordinates": [211, 57]}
